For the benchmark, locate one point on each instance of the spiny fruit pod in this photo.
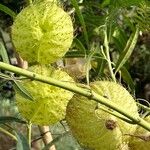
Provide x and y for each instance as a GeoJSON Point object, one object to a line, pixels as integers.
{"type": "Point", "coordinates": [42, 32]}
{"type": "Point", "coordinates": [95, 128]}
{"type": "Point", "coordinates": [53, 1]}
{"type": "Point", "coordinates": [49, 102]}
{"type": "Point", "coordinates": [90, 130]}
{"type": "Point", "coordinates": [141, 138]}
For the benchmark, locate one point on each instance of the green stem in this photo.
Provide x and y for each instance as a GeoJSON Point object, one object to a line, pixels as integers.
{"type": "Point", "coordinates": [82, 91]}
{"type": "Point", "coordinates": [108, 56]}
{"type": "Point", "coordinates": [144, 107]}
{"type": "Point", "coordinates": [136, 120]}
{"type": "Point", "coordinates": [48, 80]}
{"type": "Point", "coordinates": [81, 19]}
{"type": "Point", "coordinates": [29, 127]}
{"type": "Point", "coordinates": [8, 133]}
{"type": "Point", "coordinates": [8, 11]}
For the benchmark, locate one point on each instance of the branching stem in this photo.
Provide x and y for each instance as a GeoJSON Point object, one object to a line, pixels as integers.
{"type": "Point", "coordinates": [108, 56]}
{"type": "Point", "coordinates": [73, 88]}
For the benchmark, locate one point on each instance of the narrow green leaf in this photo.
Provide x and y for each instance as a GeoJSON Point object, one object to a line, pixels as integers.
{"type": "Point", "coordinates": [8, 133]}
{"type": "Point", "coordinates": [120, 39]}
{"type": "Point", "coordinates": [105, 3]}
{"type": "Point", "coordinates": [79, 45]}
{"type": "Point", "coordinates": [81, 19]}
{"type": "Point", "coordinates": [8, 11]}
{"type": "Point", "coordinates": [94, 49]}
{"type": "Point", "coordinates": [127, 51]}
{"type": "Point", "coordinates": [118, 44]}
{"type": "Point", "coordinates": [76, 53]}
{"type": "Point", "coordinates": [3, 54]}
{"type": "Point", "coordinates": [100, 68]}
{"type": "Point", "coordinates": [127, 78]}
{"type": "Point", "coordinates": [6, 119]}
{"type": "Point", "coordinates": [125, 3]}
{"type": "Point", "coordinates": [129, 22]}
{"type": "Point", "coordinates": [4, 76]}
{"type": "Point", "coordinates": [22, 143]}
{"type": "Point", "coordinates": [22, 91]}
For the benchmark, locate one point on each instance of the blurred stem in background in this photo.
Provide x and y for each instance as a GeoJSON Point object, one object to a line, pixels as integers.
{"type": "Point", "coordinates": [29, 132]}
{"type": "Point", "coordinates": [46, 136]}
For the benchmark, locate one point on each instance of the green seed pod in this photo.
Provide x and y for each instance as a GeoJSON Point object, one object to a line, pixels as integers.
{"type": "Point", "coordinates": [141, 138]}
{"type": "Point", "coordinates": [42, 32]}
{"type": "Point", "coordinates": [89, 129]}
{"type": "Point", "coordinates": [119, 95]}
{"type": "Point", "coordinates": [53, 1]}
{"type": "Point", "coordinates": [95, 128]}
{"type": "Point", "coordinates": [49, 104]}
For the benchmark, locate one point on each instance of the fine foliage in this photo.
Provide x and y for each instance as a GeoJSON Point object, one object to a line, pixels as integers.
{"type": "Point", "coordinates": [76, 74]}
